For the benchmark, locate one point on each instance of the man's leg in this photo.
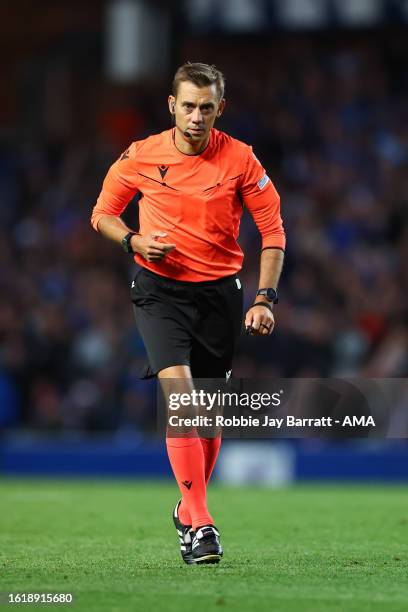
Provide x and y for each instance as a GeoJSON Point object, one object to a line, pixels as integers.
{"type": "Point", "coordinates": [211, 448]}
{"type": "Point", "coordinates": [220, 307]}
{"type": "Point", "coordinates": [186, 454]}
{"type": "Point", "coordinates": [208, 368]}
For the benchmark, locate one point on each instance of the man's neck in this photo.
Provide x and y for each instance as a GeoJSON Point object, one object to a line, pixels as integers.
{"type": "Point", "coordinates": [187, 147]}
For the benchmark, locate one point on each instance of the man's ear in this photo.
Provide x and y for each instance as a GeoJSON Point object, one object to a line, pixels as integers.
{"type": "Point", "coordinates": [172, 104]}
{"type": "Point", "coordinates": [221, 107]}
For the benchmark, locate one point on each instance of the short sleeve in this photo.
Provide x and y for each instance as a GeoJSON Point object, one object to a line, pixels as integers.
{"type": "Point", "coordinates": [119, 187]}
{"type": "Point", "coordinates": [263, 202]}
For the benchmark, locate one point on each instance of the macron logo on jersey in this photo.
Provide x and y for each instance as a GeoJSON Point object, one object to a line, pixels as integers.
{"type": "Point", "coordinates": [163, 170]}
{"type": "Point", "coordinates": [263, 181]}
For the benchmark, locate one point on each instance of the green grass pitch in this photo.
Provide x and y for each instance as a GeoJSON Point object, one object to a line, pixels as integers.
{"type": "Point", "coordinates": [113, 545]}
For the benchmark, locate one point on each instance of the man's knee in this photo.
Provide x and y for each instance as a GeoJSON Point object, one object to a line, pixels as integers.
{"type": "Point", "coordinates": [175, 372]}
{"type": "Point", "coordinates": [177, 386]}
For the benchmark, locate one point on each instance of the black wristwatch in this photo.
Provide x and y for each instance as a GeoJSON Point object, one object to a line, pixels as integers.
{"type": "Point", "coordinates": [127, 247]}
{"type": "Point", "coordinates": [269, 293]}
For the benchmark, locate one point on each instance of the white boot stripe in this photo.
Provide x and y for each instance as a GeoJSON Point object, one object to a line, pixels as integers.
{"type": "Point", "coordinates": [199, 533]}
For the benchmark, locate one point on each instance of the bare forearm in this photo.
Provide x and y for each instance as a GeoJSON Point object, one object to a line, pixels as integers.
{"type": "Point", "coordinates": [113, 228]}
{"type": "Point", "coordinates": [259, 320]}
{"type": "Point", "coordinates": [270, 269]}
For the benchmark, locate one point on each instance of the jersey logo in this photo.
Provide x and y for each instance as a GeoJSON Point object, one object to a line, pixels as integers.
{"type": "Point", "coordinates": [187, 483]}
{"type": "Point", "coordinates": [125, 155]}
{"type": "Point", "coordinates": [262, 181]}
{"type": "Point", "coordinates": [163, 170]}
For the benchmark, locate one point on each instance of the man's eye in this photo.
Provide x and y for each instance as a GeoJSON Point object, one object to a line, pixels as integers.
{"type": "Point", "coordinates": [188, 107]}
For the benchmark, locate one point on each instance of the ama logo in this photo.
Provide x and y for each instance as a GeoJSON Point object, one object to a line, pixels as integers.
{"type": "Point", "coordinates": [358, 421]}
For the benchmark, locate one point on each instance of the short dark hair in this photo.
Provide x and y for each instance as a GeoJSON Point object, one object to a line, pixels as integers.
{"type": "Point", "coordinates": [201, 75]}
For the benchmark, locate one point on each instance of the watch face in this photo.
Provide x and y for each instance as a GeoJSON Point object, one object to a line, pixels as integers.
{"type": "Point", "coordinates": [269, 293]}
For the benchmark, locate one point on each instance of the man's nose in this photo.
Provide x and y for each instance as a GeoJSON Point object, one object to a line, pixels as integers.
{"type": "Point", "coordinates": [196, 116]}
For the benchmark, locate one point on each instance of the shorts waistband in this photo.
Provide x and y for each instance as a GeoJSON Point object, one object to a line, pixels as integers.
{"type": "Point", "coordinates": [181, 283]}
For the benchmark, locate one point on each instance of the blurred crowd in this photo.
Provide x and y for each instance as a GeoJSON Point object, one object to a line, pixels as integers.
{"type": "Point", "coordinates": [328, 118]}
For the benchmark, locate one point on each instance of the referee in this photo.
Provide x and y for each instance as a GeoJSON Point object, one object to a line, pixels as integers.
{"type": "Point", "coordinates": [193, 182]}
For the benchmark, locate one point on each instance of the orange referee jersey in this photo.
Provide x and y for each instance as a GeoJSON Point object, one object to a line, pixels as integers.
{"type": "Point", "coordinates": [196, 199]}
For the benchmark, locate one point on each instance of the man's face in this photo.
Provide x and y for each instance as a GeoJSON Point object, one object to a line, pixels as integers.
{"type": "Point", "coordinates": [196, 109]}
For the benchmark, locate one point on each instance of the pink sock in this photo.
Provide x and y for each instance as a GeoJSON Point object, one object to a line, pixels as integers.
{"type": "Point", "coordinates": [187, 460]}
{"type": "Point", "coordinates": [211, 447]}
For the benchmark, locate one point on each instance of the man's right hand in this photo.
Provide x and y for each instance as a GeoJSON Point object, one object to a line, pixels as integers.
{"type": "Point", "coordinates": [150, 247]}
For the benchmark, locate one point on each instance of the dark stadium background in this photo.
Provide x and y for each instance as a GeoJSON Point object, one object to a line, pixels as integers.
{"type": "Point", "coordinates": [323, 101]}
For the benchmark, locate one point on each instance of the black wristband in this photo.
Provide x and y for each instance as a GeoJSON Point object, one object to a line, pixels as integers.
{"type": "Point", "coordinates": [126, 246]}
{"type": "Point", "coordinates": [266, 304]}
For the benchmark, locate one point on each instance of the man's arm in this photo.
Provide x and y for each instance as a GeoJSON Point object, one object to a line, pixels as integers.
{"type": "Point", "coordinates": [263, 203]}
{"type": "Point", "coordinates": [270, 269]}
{"type": "Point", "coordinates": [119, 187]}
{"type": "Point", "coordinates": [259, 319]}
{"type": "Point", "coordinates": [114, 228]}
{"type": "Point", "coordinates": [148, 247]}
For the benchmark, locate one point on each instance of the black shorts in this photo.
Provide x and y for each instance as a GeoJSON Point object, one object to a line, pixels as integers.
{"type": "Point", "coordinates": [187, 323]}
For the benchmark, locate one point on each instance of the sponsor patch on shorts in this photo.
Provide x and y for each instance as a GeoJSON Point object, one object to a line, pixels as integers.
{"type": "Point", "coordinates": [262, 181]}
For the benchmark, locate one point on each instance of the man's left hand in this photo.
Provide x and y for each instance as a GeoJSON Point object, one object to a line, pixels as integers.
{"type": "Point", "coordinates": [259, 321]}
